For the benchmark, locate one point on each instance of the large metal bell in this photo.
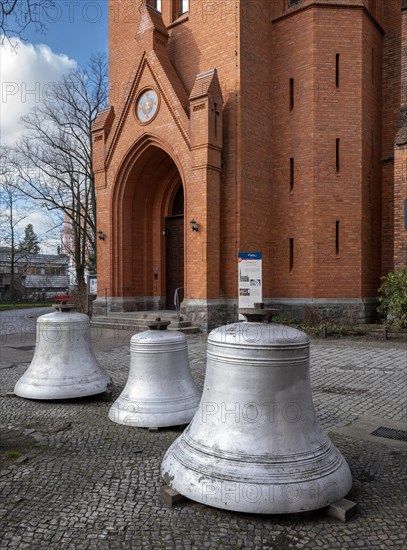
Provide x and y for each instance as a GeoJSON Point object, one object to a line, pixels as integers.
{"type": "Point", "coordinates": [64, 365]}
{"type": "Point", "coordinates": [255, 444]}
{"type": "Point", "coordinates": [160, 390]}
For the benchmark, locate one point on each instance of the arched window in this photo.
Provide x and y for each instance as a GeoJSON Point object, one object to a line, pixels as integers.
{"type": "Point", "coordinates": [183, 6]}
{"type": "Point", "coordinates": [178, 204]}
{"type": "Point", "coordinates": [156, 4]}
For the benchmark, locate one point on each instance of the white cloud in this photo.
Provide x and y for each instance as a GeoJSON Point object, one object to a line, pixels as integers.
{"type": "Point", "coordinates": [39, 219]}
{"type": "Point", "coordinates": [25, 75]}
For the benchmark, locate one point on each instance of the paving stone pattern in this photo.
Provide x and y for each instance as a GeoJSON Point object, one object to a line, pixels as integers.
{"type": "Point", "coordinates": [91, 484]}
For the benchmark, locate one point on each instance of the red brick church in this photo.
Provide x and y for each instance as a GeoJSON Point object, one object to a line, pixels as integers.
{"type": "Point", "coordinates": [234, 126]}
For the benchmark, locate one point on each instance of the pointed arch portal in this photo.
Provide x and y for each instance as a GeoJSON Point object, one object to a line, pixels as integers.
{"type": "Point", "coordinates": [174, 256]}
{"type": "Point", "coordinates": [148, 207]}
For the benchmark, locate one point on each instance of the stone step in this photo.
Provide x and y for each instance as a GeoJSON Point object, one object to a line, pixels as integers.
{"type": "Point", "coordinates": [121, 325]}
{"type": "Point", "coordinates": [138, 325]}
{"type": "Point", "coordinates": [132, 321]}
{"type": "Point", "coordinates": [181, 324]}
{"type": "Point", "coordinates": [146, 315]}
{"type": "Point", "coordinates": [187, 330]}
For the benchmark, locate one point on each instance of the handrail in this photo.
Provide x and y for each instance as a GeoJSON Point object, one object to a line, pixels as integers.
{"type": "Point", "coordinates": [177, 304]}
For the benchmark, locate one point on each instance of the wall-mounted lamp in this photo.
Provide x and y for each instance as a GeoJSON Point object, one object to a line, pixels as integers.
{"type": "Point", "coordinates": [194, 225]}
{"type": "Point", "coordinates": [101, 235]}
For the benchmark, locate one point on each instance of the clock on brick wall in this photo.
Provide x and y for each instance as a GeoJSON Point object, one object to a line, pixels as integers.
{"type": "Point", "coordinates": [147, 105]}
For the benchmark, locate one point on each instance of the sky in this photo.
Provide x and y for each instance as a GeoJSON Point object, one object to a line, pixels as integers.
{"type": "Point", "coordinates": [74, 30]}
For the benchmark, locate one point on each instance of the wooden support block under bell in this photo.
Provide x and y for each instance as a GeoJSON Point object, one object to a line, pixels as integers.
{"type": "Point", "coordinates": [343, 509]}
{"type": "Point", "coordinates": [170, 497]}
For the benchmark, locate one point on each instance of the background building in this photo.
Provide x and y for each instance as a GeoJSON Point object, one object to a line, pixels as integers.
{"type": "Point", "coordinates": [275, 126]}
{"type": "Point", "coordinates": [37, 276]}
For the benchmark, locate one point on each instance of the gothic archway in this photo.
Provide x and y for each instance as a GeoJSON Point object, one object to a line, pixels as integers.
{"type": "Point", "coordinates": [148, 197]}
{"type": "Point", "coordinates": [174, 250]}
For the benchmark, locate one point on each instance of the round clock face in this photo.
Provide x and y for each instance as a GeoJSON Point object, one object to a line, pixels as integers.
{"type": "Point", "coordinates": [147, 106]}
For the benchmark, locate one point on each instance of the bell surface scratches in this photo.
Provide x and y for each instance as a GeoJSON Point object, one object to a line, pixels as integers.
{"type": "Point", "coordinates": [64, 365]}
{"type": "Point", "coordinates": [255, 444]}
{"type": "Point", "coordinates": [160, 390]}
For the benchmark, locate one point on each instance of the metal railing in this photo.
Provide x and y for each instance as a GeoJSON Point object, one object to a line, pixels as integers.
{"type": "Point", "coordinates": [177, 302]}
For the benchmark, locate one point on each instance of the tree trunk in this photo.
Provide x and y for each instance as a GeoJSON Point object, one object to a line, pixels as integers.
{"type": "Point", "coordinates": [13, 256]}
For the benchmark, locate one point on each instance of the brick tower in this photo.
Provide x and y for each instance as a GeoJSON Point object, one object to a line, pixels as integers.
{"type": "Point", "coordinates": [272, 126]}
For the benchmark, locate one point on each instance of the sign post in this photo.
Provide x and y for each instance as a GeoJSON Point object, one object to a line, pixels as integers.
{"type": "Point", "coordinates": [91, 292]}
{"type": "Point", "coordinates": [92, 285]}
{"type": "Point", "coordinates": [250, 279]}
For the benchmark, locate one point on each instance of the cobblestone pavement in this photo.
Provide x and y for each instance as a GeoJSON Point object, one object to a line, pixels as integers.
{"type": "Point", "coordinates": [20, 321]}
{"type": "Point", "coordinates": [84, 482]}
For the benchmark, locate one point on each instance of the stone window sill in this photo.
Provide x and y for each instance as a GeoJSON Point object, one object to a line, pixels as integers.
{"type": "Point", "coordinates": [181, 19]}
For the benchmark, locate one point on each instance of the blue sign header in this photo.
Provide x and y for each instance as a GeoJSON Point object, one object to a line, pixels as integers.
{"type": "Point", "coordinates": [250, 255]}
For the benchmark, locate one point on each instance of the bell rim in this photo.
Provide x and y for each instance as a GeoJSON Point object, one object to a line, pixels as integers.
{"type": "Point", "coordinates": [195, 397]}
{"type": "Point", "coordinates": [81, 390]}
{"type": "Point", "coordinates": [190, 484]}
{"type": "Point", "coordinates": [266, 508]}
{"type": "Point", "coordinates": [265, 472]}
{"type": "Point", "coordinates": [151, 419]}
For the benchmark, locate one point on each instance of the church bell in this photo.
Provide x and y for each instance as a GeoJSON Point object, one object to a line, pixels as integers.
{"type": "Point", "coordinates": [255, 443]}
{"type": "Point", "coordinates": [160, 390]}
{"type": "Point", "coordinates": [64, 365]}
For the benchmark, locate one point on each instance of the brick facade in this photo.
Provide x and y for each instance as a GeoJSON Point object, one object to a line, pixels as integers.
{"type": "Point", "coordinates": [283, 124]}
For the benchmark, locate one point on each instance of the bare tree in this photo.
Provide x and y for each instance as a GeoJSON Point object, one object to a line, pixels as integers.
{"type": "Point", "coordinates": [17, 15]}
{"type": "Point", "coordinates": [12, 212]}
{"type": "Point", "coordinates": [54, 159]}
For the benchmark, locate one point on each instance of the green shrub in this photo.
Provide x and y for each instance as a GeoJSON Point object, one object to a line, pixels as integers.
{"type": "Point", "coordinates": [393, 299]}
{"type": "Point", "coordinates": [321, 329]}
